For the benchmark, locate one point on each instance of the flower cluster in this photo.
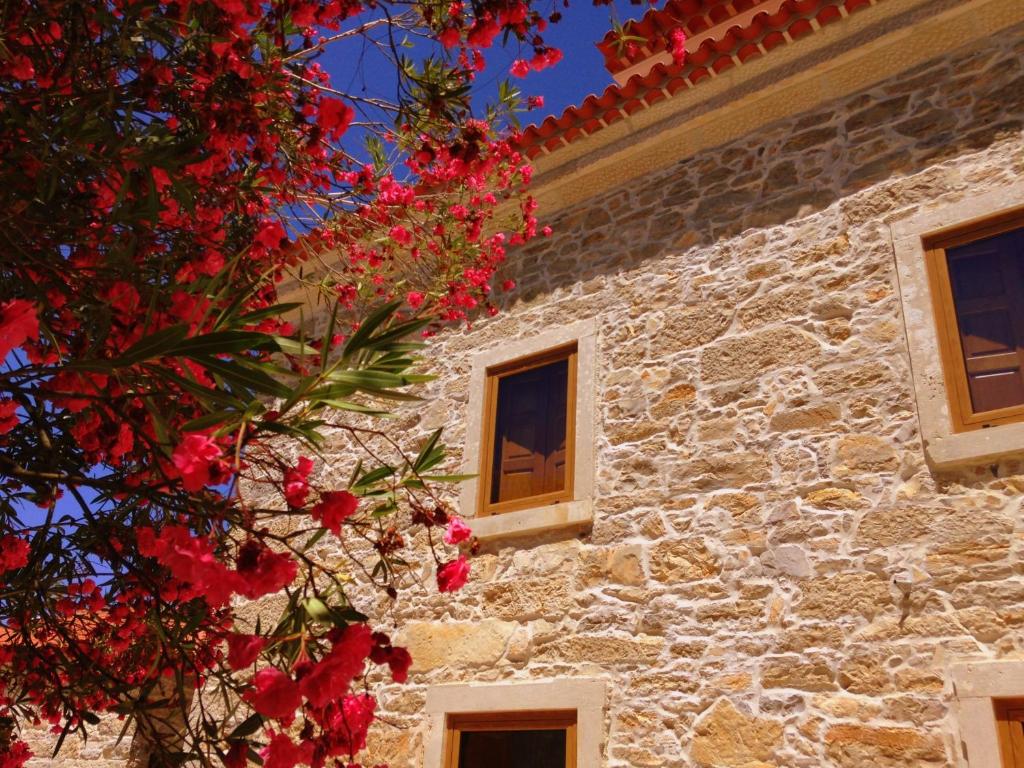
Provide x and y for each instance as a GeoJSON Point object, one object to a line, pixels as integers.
{"type": "Point", "coordinates": [173, 174]}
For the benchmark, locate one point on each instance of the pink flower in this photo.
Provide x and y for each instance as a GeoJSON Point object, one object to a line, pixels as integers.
{"type": "Point", "coordinates": [520, 68]}
{"type": "Point", "coordinates": [243, 650]}
{"type": "Point", "coordinates": [271, 234]}
{"type": "Point", "coordinates": [677, 38]}
{"type": "Point", "coordinates": [457, 532]}
{"type": "Point", "coordinates": [274, 694]}
{"type": "Point", "coordinates": [397, 659]}
{"type": "Point", "coordinates": [400, 235]}
{"type": "Point", "coordinates": [348, 726]}
{"type": "Point", "coordinates": [334, 508]}
{"type": "Point", "coordinates": [282, 752]}
{"type": "Point", "coordinates": [13, 553]}
{"type": "Point", "coordinates": [296, 486]}
{"type": "Point", "coordinates": [415, 299]}
{"type": "Point", "coordinates": [190, 559]}
{"type": "Point", "coordinates": [18, 324]}
{"type": "Point", "coordinates": [16, 756]}
{"type": "Point", "coordinates": [534, 102]}
{"type": "Point", "coordinates": [193, 457]}
{"type": "Point", "coordinates": [21, 67]}
{"type": "Point", "coordinates": [452, 576]}
{"type": "Point", "coordinates": [8, 417]}
{"type": "Point", "coordinates": [334, 117]}
{"type": "Point", "coordinates": [331, 677]}
{"type": "Point", "coordinates": [263, 571]}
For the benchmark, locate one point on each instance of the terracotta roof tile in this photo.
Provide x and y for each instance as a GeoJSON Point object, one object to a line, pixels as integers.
{"type": "Point", "coordinates": [714, 45]}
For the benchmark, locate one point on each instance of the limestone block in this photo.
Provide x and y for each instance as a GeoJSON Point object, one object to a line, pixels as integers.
{"type": "Point", "coordinates": [856, 746]}
{"type": "Point", "coordinates": [834, 498]}
{"type": "Point", "coordinates": [811, 418]}
{"type": "Point", "coordinates": [858, 454]}
{"type": "Point", "coordinates": [688, 327]}
{"type": "Point", "coordinates": [753, 355]}
{"type": "Point", "coordinates": [675, 560]}
{"type": "Point", "coordinates": [800, 672]}
{"type": "Point", "coordinates": [939, 525]}
{"type": "Point", "coordinates": [455, 643]}
{"type": "Point", "coordinates": [528, 598]}
{"type": "Point", "coordinates": [725, 737]}
{"type": "Point", "coordinates": [844, 594]}
{"type": "Point", "coordinates": [605, 649]}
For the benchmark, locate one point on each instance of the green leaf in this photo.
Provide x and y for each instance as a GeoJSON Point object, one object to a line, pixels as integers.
{"type": "Point", "coordinates": [246, 376]}
{"type": "Point", "coordinates": [247, 727]}
{"type": "Point", "coordinates": [224, 342]}
{"type": "Point", "coordinates": [373, 476]}
{"type": "Point", "coordinates": [373, 321]}
{"type": "Point", "coordinates": [426, 450]}
{"type": "Point", "coordinates": [262, 314]}
{"type": "Point", "coordinates": [317, 610]}
{"type": "Point", "coordinates": [157, 344]}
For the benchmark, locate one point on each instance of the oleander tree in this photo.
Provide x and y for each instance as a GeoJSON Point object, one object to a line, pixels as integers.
{"type": "Point", "coordinates": [214, 262]}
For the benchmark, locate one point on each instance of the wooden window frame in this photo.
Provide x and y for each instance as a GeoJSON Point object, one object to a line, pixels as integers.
{"type": "Point", "coordinates": [1003, 708]}
{"type": "Point", "coordinates": [493, 377]}
{"type": "Point", "coordinates": [537, 720]}
{"type": "Point", "coordinates": [962, 414]}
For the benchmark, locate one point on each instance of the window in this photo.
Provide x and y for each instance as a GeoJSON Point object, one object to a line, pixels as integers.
{"type": "Point", "coordinates": [512, 740]}
{"type": "Point", "coordinates": [529, 451]}
{"type": "Point", "coordinates": [958, 269]}
{"type": "Point", "coordinates": [990, 712]}
{"type": "Point", "coordinates": [1010, 725]}
{"type": "Point", "coordinates": [977, 275]}
{"type": "Point", "coordinates": [550, 723]}
{"type": "Point", "coordinates": [529, 432]}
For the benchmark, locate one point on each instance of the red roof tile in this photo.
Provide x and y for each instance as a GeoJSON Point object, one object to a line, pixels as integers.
{"type": "Point", "coordinates": [721, 34]}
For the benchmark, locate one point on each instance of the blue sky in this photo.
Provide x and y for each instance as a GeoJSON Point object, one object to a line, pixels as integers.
{"type": "Point", "coordinates": [581, 71]}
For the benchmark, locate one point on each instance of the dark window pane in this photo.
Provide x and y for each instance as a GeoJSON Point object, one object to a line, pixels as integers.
{"type": "Point", "coordinates": [529, 434]}
{"type": "Point", "coordinates": [988, 295]}
{"type": "Point", "coordinates": [512, 749]}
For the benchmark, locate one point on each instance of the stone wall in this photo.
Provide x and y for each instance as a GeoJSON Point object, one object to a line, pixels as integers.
{"type": "Point", "coordinates": [774, 576]}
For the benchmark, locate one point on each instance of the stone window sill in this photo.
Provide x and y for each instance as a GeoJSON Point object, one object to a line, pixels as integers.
{"type": "Point", "coordinates": [977, 446]}
{"type": "Point", "coordinates": [568, 515]}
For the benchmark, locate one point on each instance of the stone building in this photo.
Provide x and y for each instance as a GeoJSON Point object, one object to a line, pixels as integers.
{"type": "Point", "coordinates": [749, 432]}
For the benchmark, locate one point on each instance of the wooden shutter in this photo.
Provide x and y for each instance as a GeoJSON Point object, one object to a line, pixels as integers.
{"type": "Point", "coordinates": [530, 410]}
{"type": "Point", "coordinates": [1010, 725]}
{"type": "Point", "coordinates": [987, 283]}
{"type": "Point", "coordinates": [521, 435]}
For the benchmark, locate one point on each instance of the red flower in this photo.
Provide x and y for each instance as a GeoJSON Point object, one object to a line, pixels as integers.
{"type": "Point", "coordinates": [8, 417]}
{"type": "Point", "coordinates": [296, 487]}
{"type": "Point", "coordinates": [334, 117]}
{"type": "Point", "coordinates": [237, 756]}
{"type": "Point", "coordinates": [262, 570]}
{"type": "Point", "coordinates": [415, 299]}
{"type": "Point", "coordinates": [452, 575]}
{"type": "Point", "coordinates": [457, 532]}
{"type": "Point", "coordinates": [18, 324]}
{"type": "Point", "coordinates": [13, 553]}
{"type": "Point", "coordinates": [334, 508]}
{"type": "Point", "coordinates": [274, 694]}
{"type": "Point", "coordinates": [16, 756]}
{"type": "Point", "coordinates": [21, 67]}
{"type": "Point", "coordinates": [192, 458]}
{"type": "Point", "coordinates": [520, 68]}
{"type": "Point", "coordinates": [397, 659]}
{"type": "Point", "coordinates": [282, 752]}
{"type": "Point", "coordinates": [331, 676]}
{"type": "Point", "coordinates": [243, 650]}
{"type": "Point", "coordinates": [190, 559]}
{"type": "Point", "coordinates": [678, 40]}
{"type": "Point", "coordinates": [271, 234]}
